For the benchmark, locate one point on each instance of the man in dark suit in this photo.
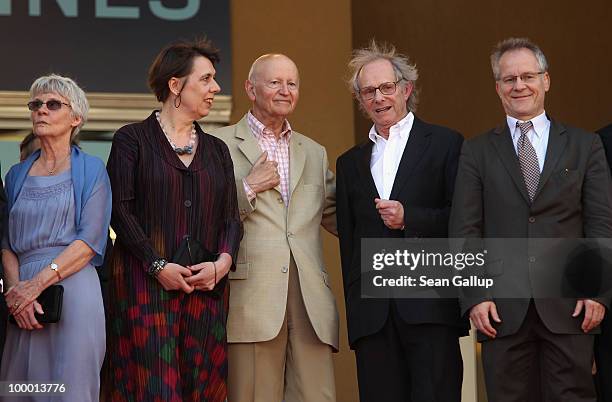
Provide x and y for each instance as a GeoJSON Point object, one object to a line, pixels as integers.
{"type": "Point", "coordinates": [532, 177]}
{"type": "Point", "coordinates": [603, 342]}
{"type": "Point", "coordinates": [397, 184]}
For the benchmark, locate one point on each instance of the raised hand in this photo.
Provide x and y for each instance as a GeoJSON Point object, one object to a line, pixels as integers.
{"type": "Point", "coordinates": [263, 175]}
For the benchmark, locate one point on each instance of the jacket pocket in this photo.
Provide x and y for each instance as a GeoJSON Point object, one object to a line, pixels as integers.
{"type": "Point", "coordinates": [566, 180]}
{"type": "Point", "coordinates": [313, 188]}
{"type": "Point", "coordinates": [241, 272]}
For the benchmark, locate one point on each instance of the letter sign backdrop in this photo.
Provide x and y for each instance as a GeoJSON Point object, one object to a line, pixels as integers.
{"type": "Point", "coordinates": [106, 45]}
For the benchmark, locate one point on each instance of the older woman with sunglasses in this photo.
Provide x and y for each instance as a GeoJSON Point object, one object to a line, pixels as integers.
{"type": "Point", "coordinates": [59, 204]}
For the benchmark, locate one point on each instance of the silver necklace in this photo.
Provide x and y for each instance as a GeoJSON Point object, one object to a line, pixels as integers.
{"type": "Point", "coordinates": [187, 149]}
{"type": "Point", "coordinates": [56, 165]}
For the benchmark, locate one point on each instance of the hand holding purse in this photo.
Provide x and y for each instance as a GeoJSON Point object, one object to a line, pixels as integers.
{"type": "Point", "coordinates": [191, 252]}
{"type": "Point", "coordinates": [51, 300]}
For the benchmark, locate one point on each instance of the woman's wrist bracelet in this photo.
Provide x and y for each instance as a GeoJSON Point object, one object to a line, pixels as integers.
{"type": "Point", "coordinates": [156, 267]}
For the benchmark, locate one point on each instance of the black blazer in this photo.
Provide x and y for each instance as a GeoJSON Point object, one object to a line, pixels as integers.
{"type": "Point", "coordinates": [424, 185]}
{"type": "Point", "coordinates": [606, 137]}
{"type": "Point", "coordinates": [573, 200]}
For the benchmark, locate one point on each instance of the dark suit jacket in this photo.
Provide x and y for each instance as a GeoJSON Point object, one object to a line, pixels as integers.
{"type": "Point", "coordinates": [606, 137]}
{"type": "Point", "coordinates": [603, 344]}
{"type": "Point", "coordinates": [424, 185]}
{"type": "Point", "coordinates": [573, 200]}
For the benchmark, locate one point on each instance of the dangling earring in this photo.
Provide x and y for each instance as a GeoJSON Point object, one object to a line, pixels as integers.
{"type": "Point", "coordinates": [178, 96]}
{"type": "Point", "coordinates": [179, 101]}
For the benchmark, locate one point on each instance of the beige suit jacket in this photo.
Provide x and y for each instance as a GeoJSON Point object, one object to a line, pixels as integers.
{"type": "Point", "coordinates": [273, 232]}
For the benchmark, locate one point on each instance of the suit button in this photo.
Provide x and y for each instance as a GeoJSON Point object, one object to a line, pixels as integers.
{"type": "Point", "coordinates": [532, 259]}
{"type": "Point", "coordinates": [289, 234]}
{"type": "Point", "coordinates": [531, 219]}
{"type": "Point", "coordinates": [284, 269]}
{"type": "Point", "coordinates": [187, 203]}
{"type": "Point", "coordinates": [280, 200]}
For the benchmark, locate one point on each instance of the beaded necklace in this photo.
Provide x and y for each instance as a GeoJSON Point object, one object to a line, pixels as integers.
{"type": "Point", "coordinates": [187, 149]}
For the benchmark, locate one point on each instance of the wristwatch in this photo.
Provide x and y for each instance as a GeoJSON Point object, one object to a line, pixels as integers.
{"type": "Point", "coordinates": [55, 268]}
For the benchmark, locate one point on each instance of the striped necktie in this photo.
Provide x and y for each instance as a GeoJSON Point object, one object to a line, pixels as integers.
{"type": "Point", "coordinates": [528, 159]}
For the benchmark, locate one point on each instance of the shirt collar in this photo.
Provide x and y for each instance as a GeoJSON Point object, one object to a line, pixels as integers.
{"type": "Point", "coordinates": [402, 127]}
{"type": "Point", "coordinates": [539, 122]}
{"type": "Point", "coordinates": [260, 130]}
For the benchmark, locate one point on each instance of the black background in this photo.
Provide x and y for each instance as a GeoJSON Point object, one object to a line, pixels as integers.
{"type": "Point", "coordinates": [102, 54]}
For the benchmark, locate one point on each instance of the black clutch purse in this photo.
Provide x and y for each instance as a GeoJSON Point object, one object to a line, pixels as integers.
{"type": "Point", "coordinates": [192, 252]}
{"type": "Point", "coordinates": [51, 301]}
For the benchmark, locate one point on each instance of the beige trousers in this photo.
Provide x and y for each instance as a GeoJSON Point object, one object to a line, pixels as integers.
{"type": "Point", "coordinates": [293, 367]}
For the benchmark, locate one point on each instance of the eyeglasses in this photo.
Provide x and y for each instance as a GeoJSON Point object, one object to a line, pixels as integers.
{"type": "Point", "coordinates": [527, 78]}
{"type": "Point", "coordinates": [277, 84]}
{"type": "Point", "coordinates": [52, 104]}
{"type": "Point", "coordinates": [386, 88]}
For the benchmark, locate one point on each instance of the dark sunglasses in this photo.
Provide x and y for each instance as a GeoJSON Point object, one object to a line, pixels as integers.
{"type": "Point", "coordinates": [52, 104]}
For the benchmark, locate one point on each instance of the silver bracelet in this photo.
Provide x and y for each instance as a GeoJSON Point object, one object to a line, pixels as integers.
{"type": "Point", "coordinates": [157, 266]}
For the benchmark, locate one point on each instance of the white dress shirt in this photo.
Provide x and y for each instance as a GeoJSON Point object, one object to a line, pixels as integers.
{"type": "Point", "coordinates": [538, 135]}
{"type": "Point", "coordinates": [387, 154]}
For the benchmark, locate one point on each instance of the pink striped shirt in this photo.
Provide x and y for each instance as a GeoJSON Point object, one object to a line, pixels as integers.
{"type": "Point", "coordinates": [278, 151]}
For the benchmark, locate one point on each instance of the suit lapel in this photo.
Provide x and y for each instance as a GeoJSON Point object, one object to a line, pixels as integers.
{"type": "Point", "coordinates": [364, 156]}
{"type": "Point", "coordinates": [502, 141]}
{"type": "Point", "coordinates": [420, 137]}
{"type": "Point", "coordinates": [248, 144]}
{"type": "Point", "coordinates": [297, 160]}
{"type": "Point", "coordinates": [556, 144]}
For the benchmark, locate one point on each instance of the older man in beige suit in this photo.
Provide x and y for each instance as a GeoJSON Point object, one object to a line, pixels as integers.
{"type": "Point", "coordinates": [283, 321]}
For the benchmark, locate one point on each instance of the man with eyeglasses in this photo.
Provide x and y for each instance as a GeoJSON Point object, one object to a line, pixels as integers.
{"type": "Point", "coordinates": [283, 321]}
{"type": "Point", "coordinates": [399, 183]}
{"type": "Point", "coordinates": [532, 177]}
